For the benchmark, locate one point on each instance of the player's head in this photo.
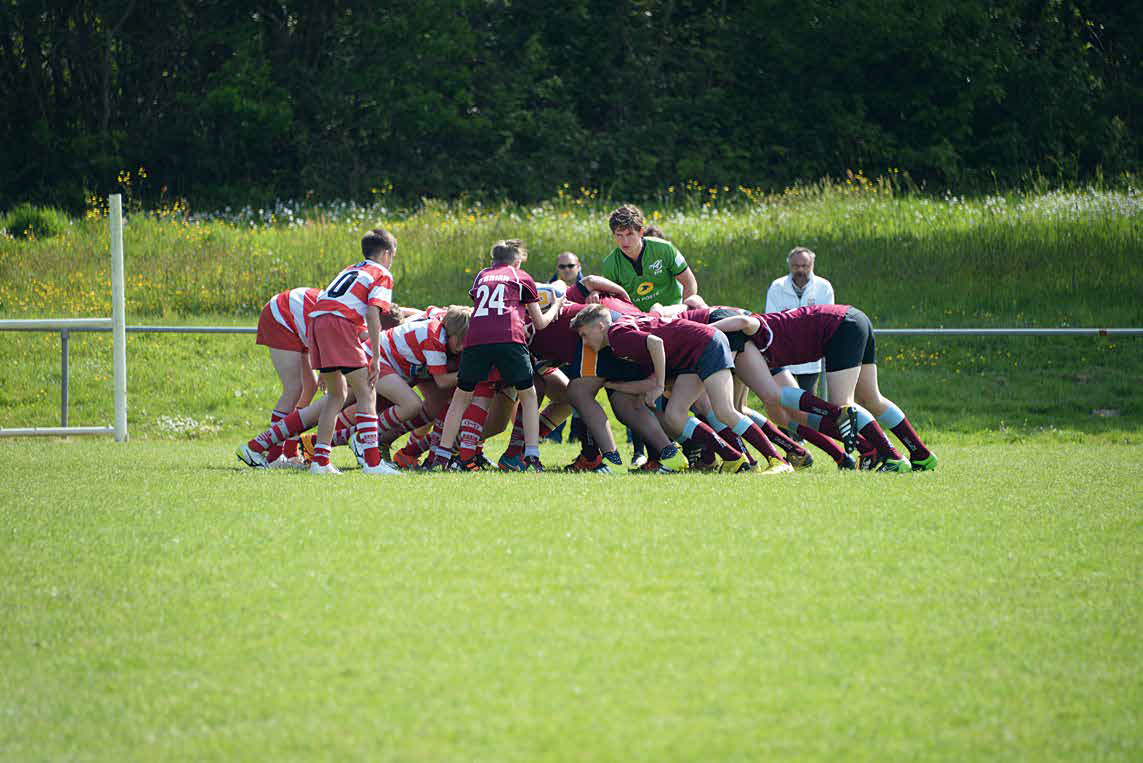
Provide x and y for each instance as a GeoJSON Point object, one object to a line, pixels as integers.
{"type": "Point", "coordinates": [456, 326]}
{"type": "Point", "coordinates": [801, 262]}
{"type": "Point", "coordinates": [509, 252]}
{"type": "Point", "coordinates": [591, 323]}
{"type": "Point", "coordinates": [379, 245]}
{"type": "Point", "coordinates": [627, 229]}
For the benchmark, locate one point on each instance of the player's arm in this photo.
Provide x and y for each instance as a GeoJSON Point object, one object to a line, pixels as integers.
{"type": "Point", "coordinates": [373, 325]}
{"type": "Point", "coordinates": [541, 318]}
{"type": "Point", "coordinates": [689, 283]}
{"type": "Point", "coordinates": [668, 311]}
{"type": "Point", "coordinates": [599, 283]}
{"type": "Point", "coordinates": [747, 324]}
{"type": "Point", "coordinates": [445, 380]}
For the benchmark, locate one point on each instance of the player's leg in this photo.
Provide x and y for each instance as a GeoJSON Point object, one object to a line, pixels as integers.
{"type": "Point", "coordinates": [475, 363]}
{"type": "Point", "coordinates": [335, 392]}
{"type": "Point", "coordinates": [406, 403]}
{"type": "Point", "coordinates": [365, 429]}
{"type": "Point", "coordinates": [677, 421]}
{"type": "Point", "coordinates": [720, 389]}
{"type": "Point", "coordinates": [289, 366]}
{"type": "Point", "coordinates": [664, 455]}
{"type": "Point", "coordinates": [891, 417]}
{"type": "Point", "coordinates": [582, 393]}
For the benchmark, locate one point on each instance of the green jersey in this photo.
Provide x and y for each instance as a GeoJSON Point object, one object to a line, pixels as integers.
{"type": "Point", "coordinates": [651, 278]}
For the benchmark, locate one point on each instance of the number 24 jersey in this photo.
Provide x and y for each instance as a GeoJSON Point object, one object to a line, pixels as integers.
{"type": "Point", "coordinates": [499, 295]}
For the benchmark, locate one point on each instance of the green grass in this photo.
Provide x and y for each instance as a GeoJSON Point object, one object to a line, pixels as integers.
{"type": "Point", "coordinates": [162, 603]}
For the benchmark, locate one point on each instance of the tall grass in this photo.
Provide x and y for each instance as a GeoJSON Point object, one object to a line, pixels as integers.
{"type": "Point", "coordinates": [1057, 258]}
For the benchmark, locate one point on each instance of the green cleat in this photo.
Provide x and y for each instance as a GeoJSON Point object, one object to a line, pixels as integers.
{"type": "Point", "coordinates": [927, 465]}
{"type": "Point", "coordinates": [894, 465]}
{"type": "Point", "coordinates": [675, 463]}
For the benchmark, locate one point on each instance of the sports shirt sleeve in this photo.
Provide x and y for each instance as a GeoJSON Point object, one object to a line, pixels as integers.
{"type": "Point", "coordinates": [528, 290]}
{"type": "Point", "coordinates": [679, 264]}
{"type": "Point", "coordinates": [577, 293]}
{"type": "Point", "coordinates": [436, 353]}
{"type": "Point", "coordinates": [381, 292]}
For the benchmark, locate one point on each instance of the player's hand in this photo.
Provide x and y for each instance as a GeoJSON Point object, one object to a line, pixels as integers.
{"type": "Point", "coordinates": [651, 396]}
{"type": "Point", "coordinates": [593, 298]}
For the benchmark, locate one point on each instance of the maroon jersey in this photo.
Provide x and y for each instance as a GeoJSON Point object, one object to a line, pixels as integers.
{"type": "Point", "coordinates": [797, 336]}
{"type": "Point", "coordinates": [578, 294]}
{"type": "Point", "coordinates": [683, 341]}
{"type": "Point", "coordinates": [499, 294]}
{"type": "Point", "coordinates": [557, 344]}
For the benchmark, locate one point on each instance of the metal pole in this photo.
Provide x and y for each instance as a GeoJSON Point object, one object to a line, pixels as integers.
{"type": "Point", "coordinates": [63, 376]}
{"type": "Point", "coordinates": [118, 318]}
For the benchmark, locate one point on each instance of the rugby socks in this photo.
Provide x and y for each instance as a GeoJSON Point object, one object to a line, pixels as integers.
{"type": "Point", "coordinates": [366, 429]}
{"type": "Point", "coordinates": [821, 441]}
{"type": "Point", "coordinates": [532, 451]}
{"type": "Point", "coordinates": [869, 429]}
{"type": "Point", "coordinates": [799, 400]}
{"type": "Point", "coordinates": [697, 430]}
{"type": "Point", "coordinates": [400, 427]}
{"type": "Point", "coordinates": [775, 435]}
{"type": "Point", "coordinates": [613, 457]}
{"type": "Point", "coordinates": [752, 434]}
{"type": "Point", "coordinates": [321, 453]}
{"type": "Point", "coordinates": [587, 447]}
{"type": "Point", "coordinates": [278, 432]}
{"type": "Point", "coordinates": [894, 419]}
{"type": "Point", "coordinates": [471, 429]}
{"type": "Point", "coordinates": [275, 450]}
{"type": "Point", "coordinates": [516, 439]}
{"type": "Point", "coordinates": [729, 435]}
{"type": "Point", "coordinates": [388, 418]}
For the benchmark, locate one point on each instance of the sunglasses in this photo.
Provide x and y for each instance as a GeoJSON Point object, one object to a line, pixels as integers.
{"type": "Point", "coordinates": [563, 267]}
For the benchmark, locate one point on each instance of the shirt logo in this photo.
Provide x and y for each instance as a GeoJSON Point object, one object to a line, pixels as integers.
{"type": "Point", "coordinates": [656, 267]}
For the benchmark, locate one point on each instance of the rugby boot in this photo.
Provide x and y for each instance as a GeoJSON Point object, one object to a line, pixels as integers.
{"type": "Point", "coordinates": [736, 465]}
{"type": "Point", "coordinates": [582, 464]}
{"type": "Point", "coordinates": [926, 465]}
{"type": "Point", "coordinates": [323, 469]}
{"type": "Point", "coordinates": [801, 460]}
{"type": "Point", "coordinates": [893, 465]}
{"type": "Point", "coordinates": [846, 422]}
{"type": "Point", "coordinates": [847, 464]}
{"type": "Point", "coordinates": [532, 464]}
{"type": "Point", "coordinates": [404, 461]}
{"type": "Point", "coordinates": [252, 458]}
{"type": "Point", "coordinates": [457, 464]}
{"type": "Point", "coordinates": [676, 462]}
{"type": "Point", "coordinates": [777, 466]}
{"type": "Point", "coordinates": [509, 463]}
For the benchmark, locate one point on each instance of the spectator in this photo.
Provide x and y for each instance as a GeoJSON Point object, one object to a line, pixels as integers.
{"type": "Point", "coordinates": [568, 269]}
{"type": "Point", "coordinates": [799, 289]}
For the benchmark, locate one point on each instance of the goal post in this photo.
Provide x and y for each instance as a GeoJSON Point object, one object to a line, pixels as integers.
{"type": "Point", "coordinates": [118, 326]}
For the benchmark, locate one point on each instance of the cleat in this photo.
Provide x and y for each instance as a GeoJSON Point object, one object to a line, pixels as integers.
{"type": "Point", "coordinates": [386, 456]}
{"type": "Point", "coordinates": [847, 427]}
{"type": "Point", "coordinates": [735, 465]}
{"type": "Point", "coordinates": [602, 469]}
{"type": "Point", "coordinates": [482, 462]}
{"type": "Point", "coordinates": [894, 465]}
{"type": "Point", "coordinates": [777, 466]}
{"type": "Point", "coordinates": [926, 465]}
{"type": "Point", "coordinates": [252, 458]}
{"type": "Point", "coordinates": [847, 464]}
{"type": "Point", "coordinates": [324, 469]}
{"type": "Point", "coordinates": [676, 463]}
{"type": "Point", "coordinates": [457, 464]}
{"type": "Point", "coordinates": [509, 463]}
{"type": "Point", "coordinates": [699, 465]}
{"type": "Point", "coordinates": [639, 460]}
{"type": "Point", "coordinates": [582, 464]}
{"type": "Point", "coordinates": [357, 448]}
{"type": "Point", "coordinates": [532, 464]}
{"type": "Point", "coordinates": [868, 460]}
{"type": "Point", "coordinates": [435, 463]}
{"type": "Point", "coordinates": [404, 461]}
{"type": "Point", "coordinates": [801, 460]}
{"type": "Point", "coordinates": [650, 466]}
{"type": "Point", "coordinates": [384, 467]}
{"type": "Point", "coordinates": [306, 443]}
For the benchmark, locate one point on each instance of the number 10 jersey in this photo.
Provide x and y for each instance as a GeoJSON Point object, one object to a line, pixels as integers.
{"type": "Point", "coordinates": [499, 295]}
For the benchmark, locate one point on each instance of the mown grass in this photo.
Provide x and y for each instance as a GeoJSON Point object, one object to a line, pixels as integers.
{"type": "Point", "coordinates": [161, 602]}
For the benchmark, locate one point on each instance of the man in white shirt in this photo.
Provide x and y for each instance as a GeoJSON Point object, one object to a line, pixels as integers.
{"type": "Point", "coordinates": [798, 289]}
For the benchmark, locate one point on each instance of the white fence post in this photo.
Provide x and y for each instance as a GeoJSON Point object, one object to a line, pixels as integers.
{"type": "Point", "coordinates": [118, 318]}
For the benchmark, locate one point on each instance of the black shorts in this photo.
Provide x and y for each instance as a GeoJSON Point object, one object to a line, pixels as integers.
{"type": "Point", "coordinates": [715, 357]}
{"type": "Point", "coordinates": [511, 359]}
{"type": "Point", "coordinates": [737, 339]}
{"type": "Point", "coordinates": [852, 344]}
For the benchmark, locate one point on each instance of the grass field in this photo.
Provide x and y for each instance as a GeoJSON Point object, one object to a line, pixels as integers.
{"type": "Point", "coordinates": [162, 603]}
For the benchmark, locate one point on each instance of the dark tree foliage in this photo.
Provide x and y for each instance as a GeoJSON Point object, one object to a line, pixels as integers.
{"type": "Point", "coordinates": [243, 102]}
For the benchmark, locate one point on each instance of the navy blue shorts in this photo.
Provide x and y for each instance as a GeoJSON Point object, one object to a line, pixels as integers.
{"type": "Point", "coordinates": [716, 357]}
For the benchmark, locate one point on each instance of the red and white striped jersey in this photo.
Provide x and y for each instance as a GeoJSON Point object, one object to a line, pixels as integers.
{"type": "Point", "coordinates": [430, 312]}
{"type": "Point", "coordinates": [293, 308]}
{"type": "Point", "coordinates": [416, 346]}
{"type": "Point", "coordinates": [358, 286]}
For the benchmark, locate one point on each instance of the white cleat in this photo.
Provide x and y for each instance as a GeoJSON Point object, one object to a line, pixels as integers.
{"type": "Point", "coordinates": [327, 469]}
{"type": "Point", "coordinates": [252, 458]}
{"type": "Point", "coordinates": [381, 468]}
{"type": "Point", "coordinates": [358, 449]}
